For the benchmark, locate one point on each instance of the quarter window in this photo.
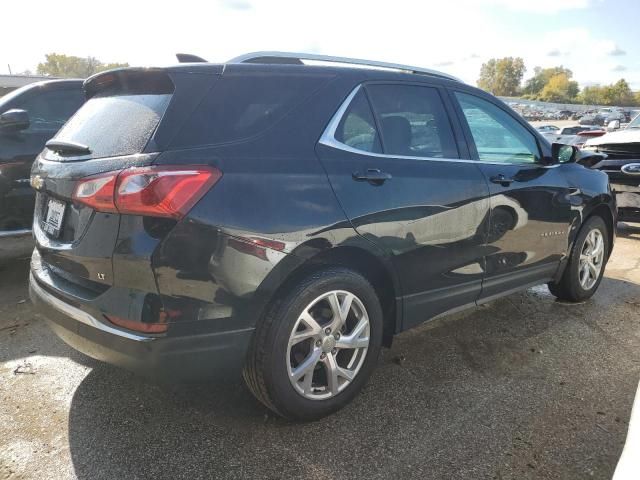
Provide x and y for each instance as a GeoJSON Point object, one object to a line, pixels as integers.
{"type": "Point", "coordinates": [357, 129]}
{"type": "Point", "coordinates": [240, 106]}
{"type": "Point", "coordinates": [413, 121]}
{"type": "Point", "coordinates": [497, 135]}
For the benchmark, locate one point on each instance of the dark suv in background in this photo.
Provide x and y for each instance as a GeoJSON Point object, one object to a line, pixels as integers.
{"type": "Point", "coordinates": [29, 116]}
{"type": "Point", "coordinates": [286, 220]}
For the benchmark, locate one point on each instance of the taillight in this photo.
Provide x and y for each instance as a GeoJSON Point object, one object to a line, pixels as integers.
{"type": "Point", "coordinates": [98, 192]}
{"type": "Point", "coordinates": [149, 191]}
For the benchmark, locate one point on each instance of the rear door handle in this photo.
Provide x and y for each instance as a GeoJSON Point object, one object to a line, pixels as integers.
{"type": "Point", "coordinates": [502, 180]}
{"type": "Point", "coordinates": [373, 175]}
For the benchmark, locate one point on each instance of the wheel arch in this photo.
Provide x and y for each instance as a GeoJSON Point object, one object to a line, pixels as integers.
{"type": "Point", "coordinates": [373, 267]}
{"type": "Point", "coordinates": [602, 208]}
{"type": "Point", "coordinates": [603, 211]}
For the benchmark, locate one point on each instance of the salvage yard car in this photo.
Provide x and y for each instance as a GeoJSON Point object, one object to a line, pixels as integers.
{"type": "Point", "coordinates": [285, 220]}
{"type": "Point", "coordinates": [29, 116]}
{"type": "Point", "coordinates": [574, 135]}
{"type": "Point", "coordinates": [622, 150]}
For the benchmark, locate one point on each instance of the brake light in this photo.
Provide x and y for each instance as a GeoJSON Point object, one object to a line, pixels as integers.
{"type": "Point", "coordinates": [149, 191]}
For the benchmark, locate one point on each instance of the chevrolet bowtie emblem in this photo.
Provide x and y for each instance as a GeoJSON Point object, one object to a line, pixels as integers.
{"type": "Point", "coordinates": [37, 182]}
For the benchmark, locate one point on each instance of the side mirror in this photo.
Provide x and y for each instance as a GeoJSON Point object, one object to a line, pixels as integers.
{"type": "Point", "coordinates": [561, 153]}
{"type": "Point", "coordinates": [613, 125]}
{"type": "Point", "coordinates": [14, 120]}
{"type": "Point", "coordinates": [632, 169]}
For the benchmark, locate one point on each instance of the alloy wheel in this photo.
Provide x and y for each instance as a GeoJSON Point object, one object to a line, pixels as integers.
{"type": "Point", "coordinates": [591, 259]}
{"type": "Point", "coordinates": [328, 345]}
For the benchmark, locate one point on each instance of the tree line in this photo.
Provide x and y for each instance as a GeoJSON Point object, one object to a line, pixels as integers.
{"type": "Point", "coordinates": [503, 77]}
{"type": "Point", "coordinates": [500, 76]}
{"type": "Point", "coordinates": [68, 66]}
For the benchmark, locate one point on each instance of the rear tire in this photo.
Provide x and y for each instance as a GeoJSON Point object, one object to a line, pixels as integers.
{"type": "Point", "coordinates": [316, 346]}
{"type": "Point", "coordinates": [587, 262]}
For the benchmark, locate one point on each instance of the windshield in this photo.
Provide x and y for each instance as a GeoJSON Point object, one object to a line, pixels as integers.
{"type": "Point", "coordinates": [9, 97]}
{"type": "Point", "coordinates": [635, 123]}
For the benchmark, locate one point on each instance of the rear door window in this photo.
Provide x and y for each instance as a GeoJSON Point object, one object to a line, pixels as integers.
{"type": "Point", "coordinates": [241, 106]}
{"type": "Point", "coordinates": [413, 121]}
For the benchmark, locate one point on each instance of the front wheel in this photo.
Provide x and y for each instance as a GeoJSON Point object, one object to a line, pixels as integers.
{"type": "Point", "coordinates": [585, 269]}
{"type": "Point", "coordinates": [317, 345]}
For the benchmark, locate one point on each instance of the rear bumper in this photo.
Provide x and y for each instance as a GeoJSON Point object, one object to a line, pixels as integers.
{"type": "Point", "coordinates": [184, 358]}
{"type": "Point", "coordinates": [629, 214]}
{"type": "Point", "coordinates": [628, 202]}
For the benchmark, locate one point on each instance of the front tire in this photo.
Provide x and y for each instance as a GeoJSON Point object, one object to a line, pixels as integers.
{"type": "Point", "coordinates": [587, 262]}
{"type": "Point", "coordinates": [316, 346]}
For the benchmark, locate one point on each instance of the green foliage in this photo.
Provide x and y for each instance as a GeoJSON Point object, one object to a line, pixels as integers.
{"type": "Point", "coordinates": [68, 66]}
{"type": "Point", "coordinates": [502, 76]}
{"type": "Point", "coordinates": [559, 89]}
{"type": "Point", "coordinates": [541, 77]}
{"type": "Point", "coordinates": [617, 93]}
{"type": "Point", "coordinates": [555, 84]}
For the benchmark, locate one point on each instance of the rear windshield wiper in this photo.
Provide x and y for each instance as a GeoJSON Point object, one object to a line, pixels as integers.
{"type": "Point", "coordinates": [62, 147]}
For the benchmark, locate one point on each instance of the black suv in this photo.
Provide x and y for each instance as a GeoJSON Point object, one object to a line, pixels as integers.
{"type": "Point", "coordinates": [29, 116]}
{"type": "Point", "coordinates": [286, 220]}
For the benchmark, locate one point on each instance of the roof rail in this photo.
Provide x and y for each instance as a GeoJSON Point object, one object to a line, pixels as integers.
{"type": "Point", "coordinates": [297, 59]}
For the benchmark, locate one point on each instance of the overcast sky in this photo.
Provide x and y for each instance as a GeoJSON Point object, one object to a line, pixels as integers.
{"type": "Point", "coordinates": [598, 39]}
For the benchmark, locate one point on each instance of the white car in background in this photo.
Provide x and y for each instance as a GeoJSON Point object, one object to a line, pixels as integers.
{"type": "Point", "coordinates": [574, 135]}
{"type": "Point", "coordinates": [622, 148]}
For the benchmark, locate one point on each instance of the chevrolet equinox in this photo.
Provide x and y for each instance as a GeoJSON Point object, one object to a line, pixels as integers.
{"type": "Point", "coordinates": [284, 218]}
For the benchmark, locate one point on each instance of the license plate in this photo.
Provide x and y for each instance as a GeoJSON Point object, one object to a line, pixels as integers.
{"type": "Point", "coordinates": [54, 217]}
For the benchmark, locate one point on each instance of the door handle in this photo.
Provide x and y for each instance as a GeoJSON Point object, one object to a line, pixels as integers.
{"type": "Point", "coordinates": [502, 180]}
{"type": "Point", "coordinates": [373, 175]}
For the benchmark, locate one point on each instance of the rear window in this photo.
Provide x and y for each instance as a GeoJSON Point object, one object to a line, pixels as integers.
{"type": "Point", "coordinates": [122, 113]}
{"type": "Point", "coordinates": [114, 125]}
{"type": "Point", "coordinates": [241, 106]}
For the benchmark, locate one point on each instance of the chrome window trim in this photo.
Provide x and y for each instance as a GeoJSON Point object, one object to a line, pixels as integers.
{"type": "Point", "coordinates": [329, 133]}
{"type": "Point", "coordinates": [328, 139]}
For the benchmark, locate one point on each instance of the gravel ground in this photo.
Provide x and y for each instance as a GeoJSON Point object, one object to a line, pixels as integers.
{"type": "Point", "coordinates": [524, 387]}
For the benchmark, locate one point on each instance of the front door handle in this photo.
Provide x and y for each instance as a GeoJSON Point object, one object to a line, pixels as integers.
{"type": "Point", "coordinates": [373, 175]}
{"type": "Point", "coordinates": [502, 180]}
